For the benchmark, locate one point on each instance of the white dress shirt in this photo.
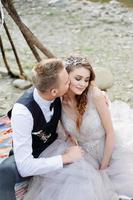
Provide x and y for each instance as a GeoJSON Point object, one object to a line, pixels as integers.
{"type": "Point", "coordinates": [22, 125]}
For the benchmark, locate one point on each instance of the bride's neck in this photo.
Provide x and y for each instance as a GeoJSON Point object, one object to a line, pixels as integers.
{"type": "Point", "coordinates": [69, 96]}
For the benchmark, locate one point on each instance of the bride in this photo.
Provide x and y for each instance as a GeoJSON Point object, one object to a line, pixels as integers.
{"type": "Point", "coordinates": [106, 171]}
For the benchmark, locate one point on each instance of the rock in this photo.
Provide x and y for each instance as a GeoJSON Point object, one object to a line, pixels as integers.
{"type": "Point", "coordinates": [58, 2]}
{"type": "Point", "coordinates": [104, 78]}
{"type": "Point", "coordinates": [129, 86]}
{"type": "Point", "coordinates": [22, 84]}
{"type": "Point", "coordinates": [53, 1]}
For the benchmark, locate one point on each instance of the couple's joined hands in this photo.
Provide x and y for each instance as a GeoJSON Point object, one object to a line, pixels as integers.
{"type": "Point", "coordinates": [76, 152]}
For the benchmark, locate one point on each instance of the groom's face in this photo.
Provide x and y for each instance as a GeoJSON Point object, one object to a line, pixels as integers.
{"type": "Point", "coordinates": [63, 82]}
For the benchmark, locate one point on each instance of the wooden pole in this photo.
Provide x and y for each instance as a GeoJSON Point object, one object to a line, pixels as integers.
{"type": "Point", "coordinates": [5, 60]}
{"type": "Point", "coordinates": [22, 75]}
{"type": "Point", "coordinates": [29, 36]}
{"type": "Point", "coordinates": [33, 49]}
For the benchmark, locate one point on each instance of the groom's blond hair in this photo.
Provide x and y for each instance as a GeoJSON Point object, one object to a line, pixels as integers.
{"type": "Point", "coordinates": [45, 75]}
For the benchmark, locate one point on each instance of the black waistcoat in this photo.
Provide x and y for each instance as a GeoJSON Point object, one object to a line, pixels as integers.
{"type": "Point", "coordinates": [43, 133]}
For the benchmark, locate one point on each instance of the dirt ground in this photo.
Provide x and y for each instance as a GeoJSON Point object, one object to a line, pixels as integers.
{"type": "Point", "coordinates": [101, 31]}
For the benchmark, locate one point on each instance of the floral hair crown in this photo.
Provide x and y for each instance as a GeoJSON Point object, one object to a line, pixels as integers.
{"type": "Point", "coordinates": [75, 60]}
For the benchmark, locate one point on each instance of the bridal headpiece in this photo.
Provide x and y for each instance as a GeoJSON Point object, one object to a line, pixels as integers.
{"type": "Point", "coordinates": [75, 60]}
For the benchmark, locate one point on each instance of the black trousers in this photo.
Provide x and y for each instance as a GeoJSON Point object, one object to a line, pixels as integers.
{"type": "Point", "coordinates": [9, 176]}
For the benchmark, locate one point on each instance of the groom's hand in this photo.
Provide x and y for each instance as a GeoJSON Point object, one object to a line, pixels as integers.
{"type": "Point", "coordinates": [93, 83]}
{"type": "Point", "coordinates": [106, 98]}
{"type": "Point", "coordinates": [72, 154]}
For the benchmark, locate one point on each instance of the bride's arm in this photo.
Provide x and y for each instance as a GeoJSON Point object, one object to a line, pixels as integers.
{"type": "Point", "coordinates": [104, 113]}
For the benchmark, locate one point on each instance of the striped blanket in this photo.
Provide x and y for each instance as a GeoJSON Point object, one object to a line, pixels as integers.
{"type": "Point", "coordinates": [5, 147]}
{"type": "Point", "coordinates": [5, 137]}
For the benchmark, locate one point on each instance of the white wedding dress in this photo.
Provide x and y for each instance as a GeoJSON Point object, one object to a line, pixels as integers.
{"type": "Point", "coordinates": [82, 180]}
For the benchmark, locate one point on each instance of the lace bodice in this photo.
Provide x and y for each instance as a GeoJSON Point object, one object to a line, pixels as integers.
{"type": "Point", "coordinates": [91, 133]}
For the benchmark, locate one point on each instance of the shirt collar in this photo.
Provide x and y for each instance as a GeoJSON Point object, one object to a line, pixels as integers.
{"type": "Point", "coordinates": [39, 100]}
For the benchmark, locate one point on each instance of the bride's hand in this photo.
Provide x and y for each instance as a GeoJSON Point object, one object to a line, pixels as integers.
{"type": "Point", "coordinates": [103, 166]}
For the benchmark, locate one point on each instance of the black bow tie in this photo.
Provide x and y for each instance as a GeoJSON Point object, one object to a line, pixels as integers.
{"type": "Point", "coordinates": [51, 106]}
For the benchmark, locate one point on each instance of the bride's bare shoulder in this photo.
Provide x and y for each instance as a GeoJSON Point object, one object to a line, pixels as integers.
{"type": "Point", "coordinates": [96, 92]}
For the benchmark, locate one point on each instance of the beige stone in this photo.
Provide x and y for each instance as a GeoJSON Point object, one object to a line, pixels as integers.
{"type": "Point", "coordinates": [104, 78]}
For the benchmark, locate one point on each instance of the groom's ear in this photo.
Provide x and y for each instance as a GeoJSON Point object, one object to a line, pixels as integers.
{"type": "Point", "coordinates": [54, 92]}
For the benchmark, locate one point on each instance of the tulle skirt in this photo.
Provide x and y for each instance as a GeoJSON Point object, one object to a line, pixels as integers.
{"type": "Point", "coordinates": [80, 180]}
{"type": "Point", "coordinates": [120, 170]}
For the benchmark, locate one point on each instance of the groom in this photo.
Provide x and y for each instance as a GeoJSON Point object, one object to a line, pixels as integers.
{"type": "Point", "coordinates": [34, 120]}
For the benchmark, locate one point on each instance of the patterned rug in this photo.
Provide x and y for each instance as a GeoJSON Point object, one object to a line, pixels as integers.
{"type": "Point", "coordinates": [5, 147]}
{"type": "Point", "coordinates": [5, 137]}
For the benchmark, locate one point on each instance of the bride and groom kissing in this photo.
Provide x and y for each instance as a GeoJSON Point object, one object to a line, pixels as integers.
{"type": "Point", "coordinates": [88, 162]}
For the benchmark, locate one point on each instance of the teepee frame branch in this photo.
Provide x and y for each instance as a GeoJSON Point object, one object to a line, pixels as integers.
{"type": "Point", "coordinates": [28, 35]}
{"type": "Point", "coordinates": [14, 50]}
{"type": "Point", "coordinates": [32, 41]}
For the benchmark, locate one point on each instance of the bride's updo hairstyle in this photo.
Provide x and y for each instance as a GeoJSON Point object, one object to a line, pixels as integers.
{"type": "Point", "coordinates": [74, 62]}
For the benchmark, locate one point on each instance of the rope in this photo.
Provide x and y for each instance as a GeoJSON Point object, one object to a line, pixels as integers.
{"type": "Point", "coordinates": [1, 16]}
